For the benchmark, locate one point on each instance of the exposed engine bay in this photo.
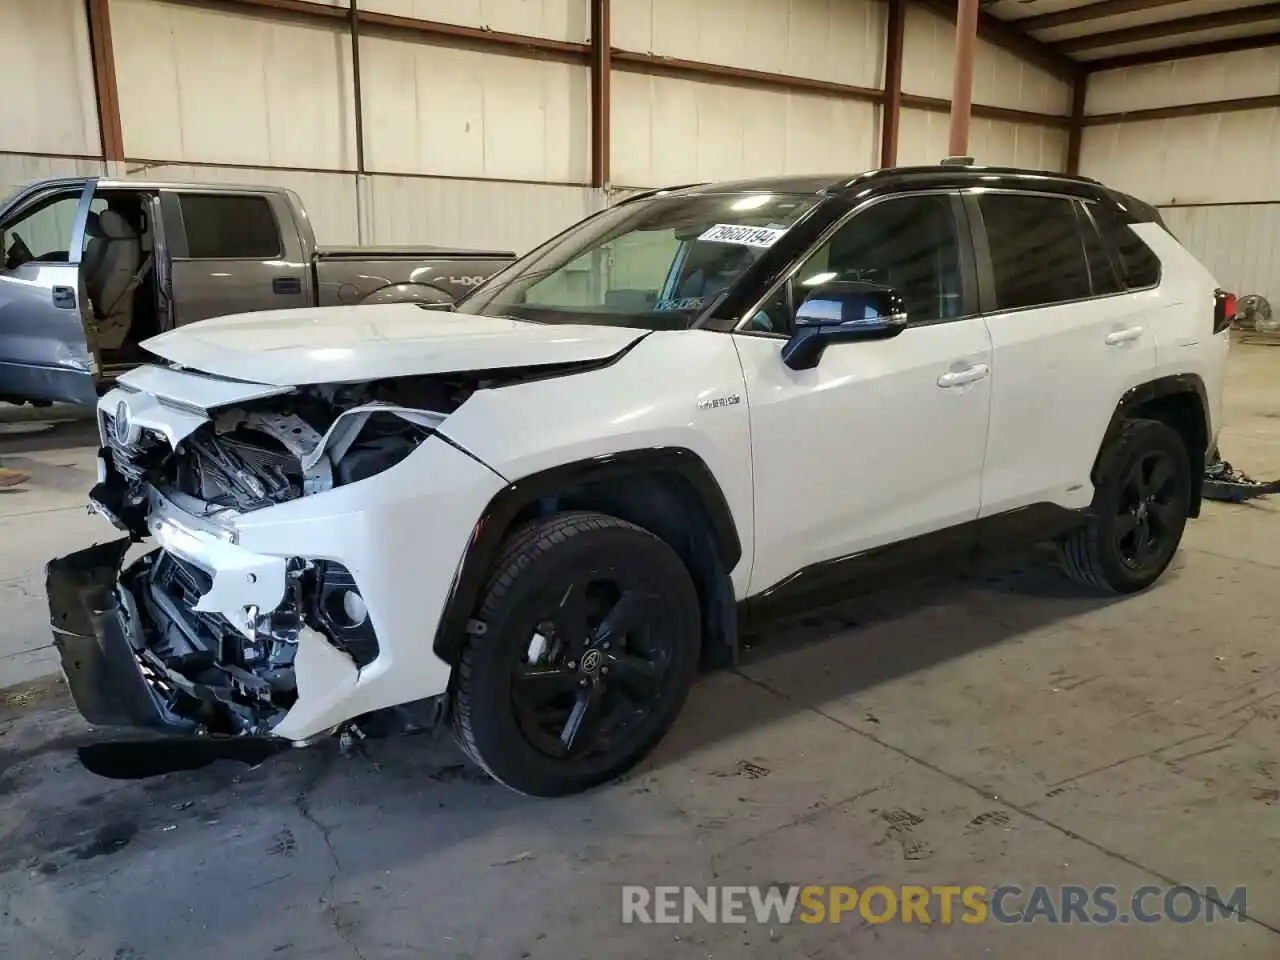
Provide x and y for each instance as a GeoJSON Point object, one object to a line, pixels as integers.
{"type": "Point", "coordinates": [235, 672]}
{"type": "Point", "coordinates": [281, 448]}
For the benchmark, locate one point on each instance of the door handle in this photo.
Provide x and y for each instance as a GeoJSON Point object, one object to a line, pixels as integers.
{"type": "Point", "coordinates": [286, 285]}
{"type": "Point", "coordinates": [958, 378]}
{"type": "Point", "coordinates": [64, 298]}
{"type": "Point", "coordinates": [1124, 336]}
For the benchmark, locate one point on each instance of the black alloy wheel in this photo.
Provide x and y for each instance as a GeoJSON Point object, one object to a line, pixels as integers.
{"type": "Point", "coordinates": [594, 669]}
{"type": "Point", "coordinates": [1138, 514]}
{"type": "Point", "coordinates": [1150, 510]}
{"type": "Point", "coordinates": [590, 643]}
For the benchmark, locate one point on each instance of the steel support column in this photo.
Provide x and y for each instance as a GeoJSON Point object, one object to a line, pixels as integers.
{"type": "Point", "coordinates": [355, 84]}
{"type": "Point", "coordinates": [892, 111]}
{"type": "Point", "coordinates": [962, 77]}
{"type": "Point", "coordinates": [98, 13]}
{"type": "Point", "coordinates": [1075, 133]}
{"type": "Point", "coordinates": [601, 56]}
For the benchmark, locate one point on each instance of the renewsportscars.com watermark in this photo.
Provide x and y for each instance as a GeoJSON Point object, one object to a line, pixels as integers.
{"type": "Point", "coordinates": [1006, 904]}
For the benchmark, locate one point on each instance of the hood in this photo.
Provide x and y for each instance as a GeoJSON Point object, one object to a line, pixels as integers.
{"type": "Point", "coordinates": [346, 344]}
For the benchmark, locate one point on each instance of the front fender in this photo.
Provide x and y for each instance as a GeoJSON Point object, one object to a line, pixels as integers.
{"type": "Point", "coordinates": [674, 390]}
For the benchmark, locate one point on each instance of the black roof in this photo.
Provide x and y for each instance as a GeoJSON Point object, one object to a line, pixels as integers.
{"type": "Point", "coordinates": [895, 178]}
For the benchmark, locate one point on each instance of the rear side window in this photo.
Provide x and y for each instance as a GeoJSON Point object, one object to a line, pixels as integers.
{"type": "Point", "coordinates": [1138, 265]}
{"type": "Point", "coordinates": [229, 227]}
{"type": "Point", "coordinates": [1037, 251]}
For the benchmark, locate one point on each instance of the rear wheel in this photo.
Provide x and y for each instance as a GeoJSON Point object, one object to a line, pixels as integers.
{"type": "Point", "coordinates": [591, 630]}
{"type": "Point", "coordinates": [1139, 511]}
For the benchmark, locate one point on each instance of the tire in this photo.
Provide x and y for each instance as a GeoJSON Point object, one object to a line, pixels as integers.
{"type": "Point", "coordinates": [617, 618]}
{"type": "Point", "coordinates": [1126, 546]}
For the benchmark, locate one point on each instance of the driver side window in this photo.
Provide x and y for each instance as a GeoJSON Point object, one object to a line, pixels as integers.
{"type": "Point", "coordinates": [42, 235]}
{"type": "Point", "coordinates": [908, 243]}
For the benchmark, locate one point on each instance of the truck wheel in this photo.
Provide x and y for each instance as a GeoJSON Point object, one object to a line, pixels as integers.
{"type": "Point", "coordinates": [580, 656]}
{"type": "Point", "coordinates": [1139, 511]}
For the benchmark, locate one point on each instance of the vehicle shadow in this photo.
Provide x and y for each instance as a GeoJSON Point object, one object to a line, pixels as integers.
{"type": "Point", "coordinates": [399, 803]}
{"type": "Point", "coordinates": [868, 641]}
{"type": "Point", "coordinates": [38, 436]}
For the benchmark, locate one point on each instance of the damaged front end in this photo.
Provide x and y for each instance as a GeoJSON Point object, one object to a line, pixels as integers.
{"type": "Point", "coordinates": [137, 650]}
{"type": "Point", "coordinates": [113, 679]}
{"type": "Point", "coordinates": [201, 636]}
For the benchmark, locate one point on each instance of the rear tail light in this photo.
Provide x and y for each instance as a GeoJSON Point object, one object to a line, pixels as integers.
{"type": "Point", "coordinates": [1224, 310]}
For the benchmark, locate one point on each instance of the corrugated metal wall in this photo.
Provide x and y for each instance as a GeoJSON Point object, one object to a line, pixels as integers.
{"type": "Point", "coordinates": [228, 96]}
{"type": "Point", "coordinates": [841, 41]}
{"type": "Point", "coordinates": [671, 130]}
{"type": "Point", "coordinates": [999, 80]}
{"type": "Point", "coordinates": [554, 19]}
{"type": "Point", "coordinates": [215, 86]}
{"type": "Point", "coordinates": [923, 139]}
{"type": "Point", "coordinates": [1216, 176]}
{"type": "Point", "coordinates": [44, 45]}
{"type": "Point", "coordinates": [1240, 243]}
{"type": "Point", "coordinates": [469, 114]}
{"type": "Point", "coordinates": [667, 130]}
{"type": "Point", "coordinates": [479, 148]}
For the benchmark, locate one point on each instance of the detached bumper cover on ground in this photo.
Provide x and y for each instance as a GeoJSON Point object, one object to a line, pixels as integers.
{"type": "Point", "coordinates": [104, 671]}
{"type": "Point", "coordinates": [1224, 482]}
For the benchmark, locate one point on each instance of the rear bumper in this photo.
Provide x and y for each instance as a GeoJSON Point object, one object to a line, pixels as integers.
{"type": "Point", "coordinates": [93, 632]}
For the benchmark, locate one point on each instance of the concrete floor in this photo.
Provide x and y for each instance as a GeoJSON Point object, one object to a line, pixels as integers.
{"type": "Point", "coordinates": [1004, 729]}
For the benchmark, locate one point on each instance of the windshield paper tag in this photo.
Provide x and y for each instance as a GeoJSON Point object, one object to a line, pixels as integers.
{"type": "Point", "coordinates": [744, 236]}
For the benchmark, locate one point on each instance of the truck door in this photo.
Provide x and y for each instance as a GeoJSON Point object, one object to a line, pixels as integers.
{"type": "Point", "coordinates": [232, 252]}
{"type": "Point", "coordinates": [47, 349]}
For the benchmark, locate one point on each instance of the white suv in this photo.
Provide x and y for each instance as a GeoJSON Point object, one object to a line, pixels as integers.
{"type": "Point", "coordinates": [540, 511]}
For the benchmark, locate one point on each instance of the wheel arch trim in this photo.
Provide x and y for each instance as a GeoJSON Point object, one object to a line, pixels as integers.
{"type": "Point", "coordinates": [1178, 384]}
{"type": "Point", "coordinates": [507, 504]}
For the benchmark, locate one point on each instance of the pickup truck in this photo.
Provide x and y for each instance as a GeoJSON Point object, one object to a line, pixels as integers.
{"type": "Point", "coordinates": [90, 268]}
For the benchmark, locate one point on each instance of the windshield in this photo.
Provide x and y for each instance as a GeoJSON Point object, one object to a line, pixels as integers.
{"type": "Point", "coordinates": [655, 263]}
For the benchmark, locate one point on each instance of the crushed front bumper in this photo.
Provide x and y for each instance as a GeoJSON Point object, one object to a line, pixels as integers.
{"type": "Point", "coordinates": [398, 538]}
{"type": "Point", "coordinates": [94, 632]}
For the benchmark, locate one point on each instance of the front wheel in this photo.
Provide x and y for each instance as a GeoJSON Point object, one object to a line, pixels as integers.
{"type": "Point", "coordinates": [587, 644]}
{"type": "Point", "coordinates": [1139, 511]}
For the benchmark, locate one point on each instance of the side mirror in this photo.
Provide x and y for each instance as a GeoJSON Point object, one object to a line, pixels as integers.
{"type": "Point", "coordinates": [842, 311]}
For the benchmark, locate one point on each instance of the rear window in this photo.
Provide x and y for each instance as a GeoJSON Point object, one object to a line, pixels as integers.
{"type": "Point", "coordinates": [1139, 267]}
{"type": "Point", "coordinates": [229, 227]}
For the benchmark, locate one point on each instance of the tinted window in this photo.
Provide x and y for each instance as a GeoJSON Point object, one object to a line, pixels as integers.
{"type": "Point", "coordinates": [1036, 250]}
{"type": "Point", "coordinates": [910, 244]}
{"type": "Point", "coordinates": [1102, 271]}
{"type": "Point", "coordinates": [1140, 267]}
{"type": "Point", "coordinates": [229, 227]}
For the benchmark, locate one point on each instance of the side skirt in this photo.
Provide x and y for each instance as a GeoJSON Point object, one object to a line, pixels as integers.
{"type": "Point", "coordinates": [948, 551]}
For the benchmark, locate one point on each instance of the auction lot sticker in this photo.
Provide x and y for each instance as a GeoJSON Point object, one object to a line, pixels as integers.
{"type": "Point", "coordinates": [743, 236]}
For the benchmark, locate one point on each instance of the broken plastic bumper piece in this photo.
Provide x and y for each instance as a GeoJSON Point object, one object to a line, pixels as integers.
{"type": "Point", "coordinates": [109, 678]}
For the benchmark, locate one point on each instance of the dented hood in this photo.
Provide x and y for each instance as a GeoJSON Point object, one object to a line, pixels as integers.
{"type": "Point", "coordinates": [345, 344]}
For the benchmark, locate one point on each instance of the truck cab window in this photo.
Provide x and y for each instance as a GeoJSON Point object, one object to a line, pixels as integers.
{"type": "Point", "coordinates": [42, 235]}
{"type": "Point", "coordinates": [229, 227]}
